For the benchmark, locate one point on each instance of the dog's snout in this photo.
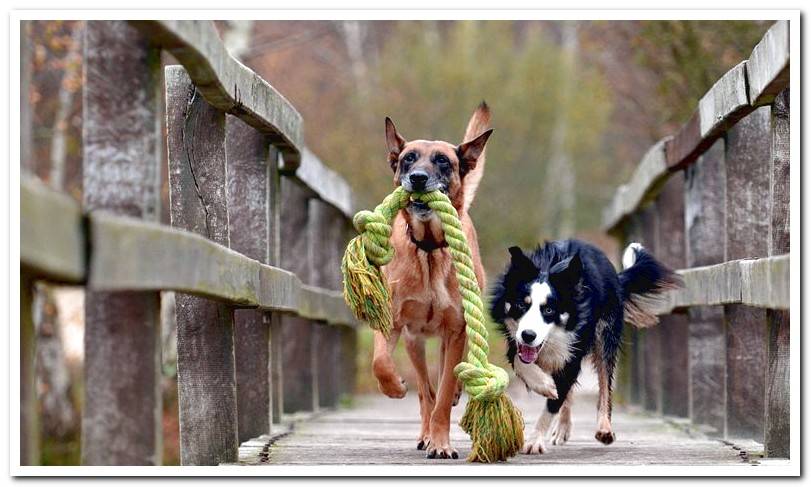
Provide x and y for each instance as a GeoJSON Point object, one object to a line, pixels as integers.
{"type": "Point", "coordinates": [418, 180]}
{"type": "Point", "coordinates": [528, 336]}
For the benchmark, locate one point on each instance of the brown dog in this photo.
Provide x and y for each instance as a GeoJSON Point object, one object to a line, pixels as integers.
{"type": "Point", "coordinates": [425, 298]}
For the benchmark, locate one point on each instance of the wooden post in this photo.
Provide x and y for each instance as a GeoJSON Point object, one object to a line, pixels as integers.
{"type": "Point", "coordinates": [748, 149]}
{"type": "Point", "coordinates": [326, 249]}
{"type": "Point", "coordinates": [276, 363]}
{"type": "Point", "coordinates": [29, 419]}
{"type": "Point", "coordinates": [672, 329]}
{"type": "Point", "coordinates": [121, 417]}
{"type": "Point", "coordinates": [651, 373]}
{"type": "Point", "coordinates": [298, 336]}
{"type": "Point", "coordinates": [205, 329]}
{"type": "Point", "coordinates": [704, 200]}
{"type": "Point", "coordinates": [248, 173]}
{"type": "Point", "coordinates": [778, 393]}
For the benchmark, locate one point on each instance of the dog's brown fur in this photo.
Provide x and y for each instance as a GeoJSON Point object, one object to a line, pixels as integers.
{"type": "Point", "coordinates": [425, 298]}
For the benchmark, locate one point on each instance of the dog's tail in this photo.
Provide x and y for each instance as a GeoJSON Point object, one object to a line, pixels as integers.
{"type": "Point", "coordinates": [644, 280]}
{"type": "Point", "coordinates": [479, 122]}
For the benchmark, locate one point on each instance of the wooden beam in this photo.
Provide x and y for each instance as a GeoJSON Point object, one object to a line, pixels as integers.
{"type": "Point", "coordinates": [327, 184]}
{"type": "Point", "coordinates": [52, 234]}
{"type": "Point", "coordinates": [122, 144]}
{"type": "Point", "coordinates": [768, 67]}
{"type": "Point", "coordinates": [227, 84]}
{"type": "Point", "coordinates": [206, 378]}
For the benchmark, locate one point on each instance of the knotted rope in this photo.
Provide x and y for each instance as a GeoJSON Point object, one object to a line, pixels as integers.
{"type": "Point", "coordinates": [491, 419]}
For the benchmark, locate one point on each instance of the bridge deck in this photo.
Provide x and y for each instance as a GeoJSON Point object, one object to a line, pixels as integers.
{"type": "Point", "coordinates": [378, 430]}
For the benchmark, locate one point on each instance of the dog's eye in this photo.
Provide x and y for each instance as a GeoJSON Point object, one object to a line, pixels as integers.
{"type": "Point", "coordinates": [547, 310]}
{"type": "Point", "coordinates": [410, 157]}
{"type": "Point", "coordinates": [441, 160]}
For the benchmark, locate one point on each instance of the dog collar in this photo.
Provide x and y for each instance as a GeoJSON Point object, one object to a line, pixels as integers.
{"type": "Point", "coordinates": [425, 245]}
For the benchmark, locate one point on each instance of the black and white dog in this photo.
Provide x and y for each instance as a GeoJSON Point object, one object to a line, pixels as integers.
{"type": "Point", "coordinates": [563, 302]}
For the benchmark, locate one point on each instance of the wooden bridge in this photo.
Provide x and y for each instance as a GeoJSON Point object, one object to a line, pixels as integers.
{"type": "Point", "coordinates": [265, 345]}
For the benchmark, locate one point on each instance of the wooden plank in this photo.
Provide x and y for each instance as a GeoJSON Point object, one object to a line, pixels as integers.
{"type": "Point", "coordinates": [205, 329]}
{"type": "Point", "coordinates": [650, 337]}
{"type": "Point", "coordinates": [326, 245]}
{"type": "Point", "coordinates": [768, 67]}
{"type": "Point", "coordinates": [276, 364]}
{"type": "Point", "coordinates": [247, 174]}
{"type": "Point", "coordinates": [777, 440]}
{"type": "Point", "coordinates": [121, 416]}
{"type": "Point", "coordinates": [748, 156]}
{"type": "Point", "coordinates": [673, 328]}
{"type": "Point", "coordinates": [323, 181]}
{"type": "Point", "coordinates": [300, 378]}
{"type": "Point", "coordinates": [29, 416]}
{"type": "Point", "coordinates": [227, 84]}
{"type": "Point", "coordinates": [725, 103]}
{"type": "Point", "coordinates": [649, 174]}
{"type": "Point", "coordinates": [704, 210]}
{"type": "Point", "coordinates": [52, 239]}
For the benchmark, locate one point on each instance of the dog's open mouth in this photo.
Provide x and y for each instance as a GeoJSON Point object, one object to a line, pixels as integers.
{"type": "Point", "coordinates": [528, 354]}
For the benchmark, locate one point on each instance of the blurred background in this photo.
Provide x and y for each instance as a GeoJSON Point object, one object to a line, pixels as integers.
{"type": "Point", "coordinates": [575, 104]}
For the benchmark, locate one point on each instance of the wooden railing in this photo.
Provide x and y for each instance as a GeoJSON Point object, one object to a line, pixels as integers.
{"type": "Point", "coordinates": [713, 200]}
{"type": "Point", "coordinates": [258, 225]}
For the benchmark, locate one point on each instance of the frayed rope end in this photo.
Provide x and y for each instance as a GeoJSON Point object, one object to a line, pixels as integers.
{"type": "Point", "coordinates": [365, 290]}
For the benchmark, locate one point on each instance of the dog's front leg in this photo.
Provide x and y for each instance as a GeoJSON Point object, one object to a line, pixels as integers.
{"type": "Point", "coordinates": [440, 444]}
{"type": "Point", "coordinates": [537, 379]}
{"type": "Point", "coordinates": [388, 381]}
{"type": "Point", "coordinates": [537, 445]}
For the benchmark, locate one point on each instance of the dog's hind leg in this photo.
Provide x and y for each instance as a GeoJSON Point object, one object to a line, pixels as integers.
{"type": "Point", "coordinates": [388, 381]}
{"type": "Point", "coordinates": [415, 346]}
{"type": "Point", "coordinates": [604, 359]}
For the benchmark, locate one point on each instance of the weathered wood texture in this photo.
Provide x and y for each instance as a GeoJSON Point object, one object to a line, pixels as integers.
{"type": "Point", "coordinates": [121, 416]}
{"type": "Point", "coordinates": [704, 215]}
{"type": "Point", "coordinates": [227, 84]}
{"type": "Point", "coordinates": [650, 337]}
{"type": "Point", "coordinates": [29, 418]}
{"type": "Point", "coordinates": [768, 67]}
{"type": "Point", "coordinates": [778, 392]}
{"type": "Point", "coordinates": [384, 432]}
{"type": "Point", "coordinates": [248, 170]}
{"type": "Point", "coordinates": [747, 158]}
{"type": "Point", "coordinates": [298, 333]}
{"type": "Point", "coordinates": [326, 245]}
{"type": "Point", "coordinates": [326, 183]}
{"type": "Point", "coordinates": [205, 329]}
{"type": "Point", "coordinates": [276, 364]}
{"type": "Point", "coordinates": [749, 84]}
{"type": "Point", "coordinates": [47, 217]}
{"type": "Point", "coordinates": [673, 328]}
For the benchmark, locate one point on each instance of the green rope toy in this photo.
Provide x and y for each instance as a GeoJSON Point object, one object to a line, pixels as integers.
{"type": "Point", "coordinates": [491, 419]}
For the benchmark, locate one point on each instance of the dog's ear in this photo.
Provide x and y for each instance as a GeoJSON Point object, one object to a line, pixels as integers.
{"type": "Point", "coordinates": [470, 151]}
{"type": "Point", "coordinates": [521, 266]}
{"type": "Point", "coordinates": [565, 274]}
{"type": "Point", "coordinates": [394, 143]}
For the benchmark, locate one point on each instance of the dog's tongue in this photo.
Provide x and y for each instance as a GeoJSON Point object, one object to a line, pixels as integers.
{"type": "Point", "coordinates": [527, 354]}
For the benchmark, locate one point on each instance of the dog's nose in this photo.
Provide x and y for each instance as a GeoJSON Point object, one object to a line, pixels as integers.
{"type": "Point", "coordinates": [528, 336]}
{"type": "Point", "coordinates": [418, 180]}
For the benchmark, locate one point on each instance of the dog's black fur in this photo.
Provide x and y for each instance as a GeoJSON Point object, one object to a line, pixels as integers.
{"type": "Point", "coordinates": [588, 299]}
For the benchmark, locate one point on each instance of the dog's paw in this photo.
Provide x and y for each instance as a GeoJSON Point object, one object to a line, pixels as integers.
{"type": "Point", "coordinates": [545, 387]}
{"type": "Point", "coordinates": [395, 388]}
{"type": "Point", "coordinates": [441, 451]}
{"type": "Point", "coordinates": [605, 436]}
{"type": "Point", "coordinates": [561, 433]}
{"type": "Point", "coordinates": [536, 447]}
{"type": "Point", "coordinates": [423, 442]}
